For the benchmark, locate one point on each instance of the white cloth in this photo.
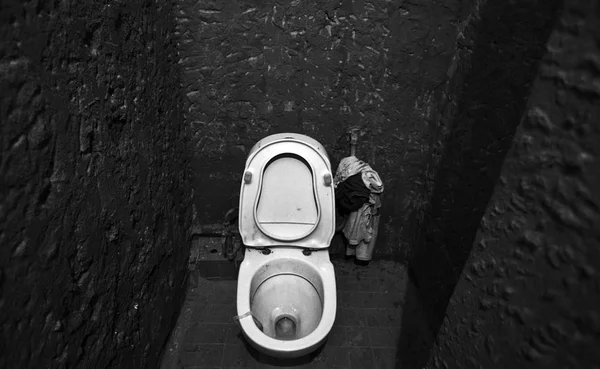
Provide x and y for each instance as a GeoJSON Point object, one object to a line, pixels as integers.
{"type": "Point", "coordinates": [359, 225]}
{"type": "Point", "coordinates": [350, 166]}
{"type": "Point", "coordinates": [364, 250]}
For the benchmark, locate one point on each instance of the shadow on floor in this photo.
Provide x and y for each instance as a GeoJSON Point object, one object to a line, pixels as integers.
{"type": "Point", "coordinates": [264, 360]}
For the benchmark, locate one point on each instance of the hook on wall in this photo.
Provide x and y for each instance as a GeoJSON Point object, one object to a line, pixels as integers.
{"type": "Point", "coordinates": [353, 133]}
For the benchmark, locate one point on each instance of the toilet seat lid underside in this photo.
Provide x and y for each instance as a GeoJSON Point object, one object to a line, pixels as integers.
{"type": "Point", "coordinates": [287, 201]}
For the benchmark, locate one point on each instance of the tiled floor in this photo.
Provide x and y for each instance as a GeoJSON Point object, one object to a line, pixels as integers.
{"type": "Point", "coordinates": [365, 333]}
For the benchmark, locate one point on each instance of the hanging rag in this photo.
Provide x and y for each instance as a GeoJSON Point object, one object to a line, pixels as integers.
{"type": "Point", "coordinates": [361, 225]}
{"type": "Point", "coordinates": [363, 231]}
{"type": "Point", "coordinates": [350, 166]}
{"type": "Point", "coordinates": [351, 194]}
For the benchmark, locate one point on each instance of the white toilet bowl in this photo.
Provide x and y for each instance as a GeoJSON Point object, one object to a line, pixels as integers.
{"type": "Point", "coordinates": [286, 295]}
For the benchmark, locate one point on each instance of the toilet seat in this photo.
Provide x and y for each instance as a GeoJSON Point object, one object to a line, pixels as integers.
{"type": "Point", "coordinates": [286, 195]}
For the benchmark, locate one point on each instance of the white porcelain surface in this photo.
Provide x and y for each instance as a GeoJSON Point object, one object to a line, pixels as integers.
{"type": "Point", "coordinates": [287, 195]}
{"type": "Point", "coordinates": [287, 205]}
{"type": "Point", "coordinates": [314, 310]}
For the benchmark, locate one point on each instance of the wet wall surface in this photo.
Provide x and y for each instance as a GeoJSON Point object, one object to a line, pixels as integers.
{"type": "Point", "coordinates": [253, 68]}
{"type": "Point", "coordinates": [500, 52]}
{"type": "Point", "coordinates": [93, 233]}
{"type": "Point", "coordinates": [529, 294]}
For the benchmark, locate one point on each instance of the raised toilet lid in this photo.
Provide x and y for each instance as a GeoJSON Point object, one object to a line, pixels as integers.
{"type": "Point", "coordinates": [286, 197]}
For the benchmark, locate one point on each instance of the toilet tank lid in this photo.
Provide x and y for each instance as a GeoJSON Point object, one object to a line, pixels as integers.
{"type": "Point", "coordinates": [282, 137]}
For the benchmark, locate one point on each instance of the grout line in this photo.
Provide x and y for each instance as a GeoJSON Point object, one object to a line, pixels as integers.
{"type": "Point", "coordinates": [223, 353]}
{"type": "Point", "coordinates": [372, 352]}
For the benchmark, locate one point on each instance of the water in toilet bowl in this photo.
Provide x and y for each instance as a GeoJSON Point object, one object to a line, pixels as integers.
{"type": "Point", "coordinates": [288, 307]}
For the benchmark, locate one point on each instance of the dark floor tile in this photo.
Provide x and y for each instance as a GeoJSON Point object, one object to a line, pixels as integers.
{"type": "Point", "coordinates": [332, 357]}
{"type": "Point", "coordinates": [367, 285]}
{"type": "Point", "coordinates": [337, 336]}
{"type": "Point", "coordinates": [228, 270]}
{"type": "Point", "coordinates": [383, 317]}
{"type": "Point", "coordinates": [224, 297]}
{"type": "Point", "coordinates": [284, 366]}
{"type": "Point", "coordinates": [208, 269]}
{"type": "Point", "coordinates": [353, 299]}
{"type": "Point", "coordinates": [351, 283]}
{"type": "Point", "coordinates": [385, 358]}
{"type": "Point", "coordinates": [206, 355]}
{"type": "Point", "coordinates": [235, 336]}
{"type": "Point", "coordinates": [381, 300]}
{"type": "Point", "coordinates": [214, 313]}
{"type": "Point", "coordinates": [373, 300]}
{"type": "Point", "coordinates": [392, 285]}
{"type": "Point", "coordinates": [228, 287]}
{"type": "Point", "coordinates": [394, 317]}
{"type": "Point", "coordinates": [376, 318]}
{"type": "Point", "coordinates": [361, 358]}
{"type": "Point", "coordinates": [202, 294]}
{"type": "Point", "coordinates": [238, 356]}
{"type": "Point", "coordinates": [343, 268]}
{"type": "Point", "coordinates": [343, 284]}
{"type": "Point", "coordinates": [357, 336]}
{"type": "Point", "coordinates": [208, 333]}
{"type": "Point", "coordinates": [295, 363]}
{"type": "Point", "coordinates": [341, 273]}
{"type": "Point", "coordinates": [382, 336]}
{"type": "Point", "coordinates": [366, 272]}
{"type": "Point", "coordinates": [350, 317]}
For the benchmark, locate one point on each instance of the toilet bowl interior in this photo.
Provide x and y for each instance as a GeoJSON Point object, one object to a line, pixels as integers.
{"type": "Point", "coordinates": [286, 298]}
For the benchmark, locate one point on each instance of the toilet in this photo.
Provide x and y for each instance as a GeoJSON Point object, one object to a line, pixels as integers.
{"type": "Point", "coordinates": [286, 291]}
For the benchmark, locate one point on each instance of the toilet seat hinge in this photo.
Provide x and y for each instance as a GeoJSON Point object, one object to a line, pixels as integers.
{"type": "Point", "coordinates": [264, 250]}
{"type": "Point", "coordinates": [309, 251]}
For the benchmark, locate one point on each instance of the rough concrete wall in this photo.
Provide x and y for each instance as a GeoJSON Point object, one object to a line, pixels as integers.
{"type": "Point", "coordinates": [500, 48]}
{"type": "Point", "coordinates": [93, 184]}
{"type": "Point", "coordinates": [253, 68]}
{"type": "Point", "coordinates": [529, 295]}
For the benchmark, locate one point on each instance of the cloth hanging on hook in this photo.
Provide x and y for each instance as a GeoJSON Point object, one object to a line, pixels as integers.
{"type": "Point", "coordinates": [359, 226]}
{"type": "Point", "coordinates": [350, 166]}
{"type": "Point", "coordinates": [351, 194]}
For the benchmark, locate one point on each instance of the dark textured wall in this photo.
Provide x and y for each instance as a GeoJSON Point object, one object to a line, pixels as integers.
{"type": "Point", "coordinates": [93, 184]}
{"type": "Point", "coordinates": [498, 50]}
{"type": "Point", "coordinates": [252, 68]}
{"type": "Point", "coordinates": [530, 293]}
{"type": "Point", "coordinates": [501, 48]}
